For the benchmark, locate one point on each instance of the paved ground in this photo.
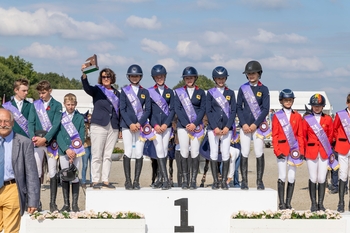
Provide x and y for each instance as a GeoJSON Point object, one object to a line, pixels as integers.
{"type": "Point", "coordinates": [301, 200]}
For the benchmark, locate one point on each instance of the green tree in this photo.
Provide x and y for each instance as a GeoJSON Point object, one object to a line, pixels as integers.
{"type": "Point", "coordinates": [202, 82]}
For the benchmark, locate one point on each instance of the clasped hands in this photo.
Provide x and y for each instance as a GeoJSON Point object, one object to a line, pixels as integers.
{"type": "Point", "coordinates": [249, 129]}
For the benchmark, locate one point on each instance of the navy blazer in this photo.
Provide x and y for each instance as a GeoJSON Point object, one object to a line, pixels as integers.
{"type": "Point", "coordinates": [103, 112]}
{"type": "Point", "coordinates": [127, 112]}
{"type": "Point", "coordinates": [216, 116]}
{"type": "Point", "coordinates": [157, 116]}
{"type": "Point", "coordinates": [198, 102]}
{"type": "Point", "coordinates": [244, 113]}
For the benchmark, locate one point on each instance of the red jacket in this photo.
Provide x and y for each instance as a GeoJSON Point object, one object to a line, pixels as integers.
{"type": "Point", "coordinates": [312, 144]}
{"type": "Point", "coordinates": [342, 145]}
{"type": "Point", "coordinates": [279, 139]}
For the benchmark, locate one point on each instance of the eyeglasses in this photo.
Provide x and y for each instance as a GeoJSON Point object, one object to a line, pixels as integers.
{"type": "Point", "coordinates": [106, 76]}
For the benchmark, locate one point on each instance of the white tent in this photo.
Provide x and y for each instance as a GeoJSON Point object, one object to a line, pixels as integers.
{"type": "Point", "coordinates": [84, 100]}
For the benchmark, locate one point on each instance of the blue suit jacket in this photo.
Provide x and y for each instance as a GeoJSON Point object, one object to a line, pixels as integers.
{"type": "Point", "coordinates": [198, 101]}
{"type": "Point", "coordinates": [103, 109]}
{"type": "Point", "coordinates": [157, 116]}
{"type": "Point", "coordinates": [216, 116]}
{"type": "Point", "coordinates": [127, 112]}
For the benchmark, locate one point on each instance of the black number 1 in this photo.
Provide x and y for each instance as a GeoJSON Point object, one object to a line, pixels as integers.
{"type": "Point", "coordinates": [183, 203]}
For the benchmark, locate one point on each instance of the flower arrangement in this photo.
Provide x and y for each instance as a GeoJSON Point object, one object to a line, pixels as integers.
{"type": "Point", "coordinates": [287, 214]}
{"type": "Point", "coordinates": [41, 216]}
{"type": "Point", "coordinates": [118, 150]}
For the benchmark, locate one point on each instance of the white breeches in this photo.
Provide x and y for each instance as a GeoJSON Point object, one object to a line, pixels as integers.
{"type": "Point", "coordinates": [185, 141]}
{"type": "Point", "coordinates": [245, 144]}
{"type": "Point", "coordinates": [133, 146]}
{"type": "Point", "coordinates": [317, 169]}
{"type": "Point", "coordinates": [344, 163]}
{"type": "Point", "coordinates": [161, 143]}
{"type": "Point", "coordinates": [64, 161]}
{"type": "Point", "coordinates": [285, 169]}
{"type": "Point", "coordinates": [224, 146]}
{"type": "Point", "coordinates": [39, 153]}
{"type": "Point", "coordinates": [234, 153]}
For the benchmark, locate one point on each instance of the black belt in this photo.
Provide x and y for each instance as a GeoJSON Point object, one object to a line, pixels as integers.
{"type": "Point", "coordinates": [13, 181]}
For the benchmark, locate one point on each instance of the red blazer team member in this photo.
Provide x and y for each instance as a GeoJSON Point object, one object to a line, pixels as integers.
{"type": "Point", "coordinates": [318, 134]}
{"type": "Point", "coordinates": [342, 146]}
{"type": "Point", "coordinates": [288, 145]}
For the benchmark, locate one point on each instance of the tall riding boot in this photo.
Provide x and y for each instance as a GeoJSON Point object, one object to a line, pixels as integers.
{"type": "Point", "coordinates": [171, 172]}
{"type": "Point", "coordinates": [155, 174]}
{"type": "Point", "coordinates": [321, 193]}
{"type": "Point", "coordinates": [40, 206]}
{"type": "Point", "coordinates": [75, 196]}
{"type": "Point", "coordinates": [341, 203]}
{"type": "Point", "coordinates": [312, 192]}
{"type": "Point", "coordinates": [184, 165]}
{"type": "Point", "coordinates": [53, 194]}
{"type": "Point", "coordinates": [138, 168]}
{"type": "Point", "coordinates": [260, 166]}
{"type": "Point", "coordinates": [280, 189]}
{"type": "Point", "coordinates": [290, 190]}
{"type": "Point", "coordinates": [65, 191]}
{"type": "Point", "coordinates": [164, 173]}
{"type": "Point", "coordinates": [158, 183]}
{"type": "Point", "coordinates": [225, 168]}
{"type": "Point", "coordinates": [214, 172]}
{"type": "Point", "coordinates": [244, 173]}
{"type": "Point", "coordinates": [195, 167]}
{"type": "Point", "coordinates": [126, 165]}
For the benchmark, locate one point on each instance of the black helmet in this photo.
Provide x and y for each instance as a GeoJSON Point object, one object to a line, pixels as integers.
{"type": "Point", "coordinates": [220, 72]}
{"type": "Point", "coordinates": [317, 100]}
{"type": "Point", "coordinates": [158, 70]}
{"type": "Point", "coordinates": [286, 93]}
{"type": "Point", "coordinates": [189, 71]}
{"type": "Point", "coordinates": [252, 67]}
{"type": "Point", "coordinates": [134, 70]}
{"type": "Point", "coordinates": [70, 173]}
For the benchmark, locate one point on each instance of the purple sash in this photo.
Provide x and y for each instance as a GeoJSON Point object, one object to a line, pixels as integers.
{"type": "Point", "coordinates": [263, 130]}
{"type": "Point", "coordinates": [146, 130]}
{"type": "Point", "coordinates": [322, 137]}
{"type": "Point", "coordinates": [18, 116]}
{"type": "Point", "coordinates": [225, 106]}
{"type": "Point", "coordinates": [345, 121]}
{"type": "Point", "coordinates": [42, 114]}
{"type": "Point", "coordinates": [111, 97]}
{"type": "Point", "coordinates": [77, 144]}
{"type": "Point", "coordinates": [294, 154]}
{"type": "Point", "coordinates": [159, 100]}
{"type": "Point", "coordinates": [190, 112]}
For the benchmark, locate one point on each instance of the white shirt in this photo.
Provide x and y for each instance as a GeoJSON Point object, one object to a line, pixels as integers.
{"type": "Point", "coordinates": [287, 112]}
{"type": "Point", "coordinates": [135, 89]}
{"type": "Point", "coordinates": [161, 89]}
{"type": "Point", "coordinates": [190, 91]}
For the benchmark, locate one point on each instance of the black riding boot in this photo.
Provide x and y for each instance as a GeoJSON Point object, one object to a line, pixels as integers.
{"type": "Point", "coordinates": [158, 183]}
{"type": "Point", "coordinates": [290, 190]}
{"type": "Point", "coordinates": [280, 188]}
{"type": "Point", "coordinates": [260, 166]}
{"type": "Point", "coordinates": [164, 173]}
{"type": "Point", "coordinates": [53, 194]}
{"type": "Point", "coordinates": [75, 196]}
{"type": "Point", "coordinates": [341, 203]}
{"type": "Point", "coordinates": [214, 172]}
{"type": "Point", "coordinates": [244, 173]}
{"type": "Point", "coordinates": [312, 192]}
{"type": "Point", "coordinates": [225, 168]}
{"type": "Point", "coordinates": [126, 165]}
{"type": "Point", "coordinates": [155, 174]}
{"type": "Point", "coordinates": [184, 165]}
{"type": "Point", "coordinates": [321, 193]}
{"type": "Point", "coordinates": [65, 191]}
{"type": "Point", "coordinates": [171, 172]}
{"type": "Point", "coordinates": [138, 168]}
{"type": "Point", "coordinates": [40, 206]}
{"type": "Point", "coordinates": [195, 167]}
{"type": "Point", "coordinates": [179, 168]}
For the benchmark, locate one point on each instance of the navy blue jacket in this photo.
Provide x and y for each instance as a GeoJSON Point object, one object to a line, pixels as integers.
{"type": "Point", "coordinates": [127, 112]}
{"type": "Point", "coordinates": [157, 116]}
{"type": "Point", "coordinates": [103, 109]}
{"type": "Point", "coordinates": [216, 116]}
{"type": "Point", "coordinates": [198, 102]}
{"type": "Point", "coordinates": [244, 113]}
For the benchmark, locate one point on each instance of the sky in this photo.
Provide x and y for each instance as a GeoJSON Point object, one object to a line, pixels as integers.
{"type": "Point", "coordinates": [301, 45]}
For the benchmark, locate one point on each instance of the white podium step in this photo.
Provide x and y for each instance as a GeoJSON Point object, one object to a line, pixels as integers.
{"type": "Point", "coordinates": [176, 210]}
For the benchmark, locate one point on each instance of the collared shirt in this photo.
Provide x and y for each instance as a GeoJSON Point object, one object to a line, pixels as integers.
{"type": "Point", "coordinates": [70, 115]}
{"type": "Point", "coordinates": [161, 89]}
{"type": "Point", "coordinates": [9, 174]}
{"type": "Point", "coordinates": [190, 91]}
{"type": "Point", "coordinates": [135, 88]}
{"type": "Point", "coordinates": [287, 112]}
{"type": "Point", "coordinates": [19, 104]}
{"type": "Point", "coordinates": [47, 103]}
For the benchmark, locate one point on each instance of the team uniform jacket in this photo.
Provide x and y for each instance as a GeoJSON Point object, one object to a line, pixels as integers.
{"type": "Point", "coordinates": [216, 116]}
{"type": "Point", "coordinates": [127, 112]}
{"type": "Point", "coordinates": [198, 101]}
{"type": "Point", "coordinates": [312, 144]}
{"type": "Point", "coordinates": [25, 112]}
{"type": "Point", "coordinates": [245, 115]}
{"type": "Point", "coordinates": [104, 111]}
{"type": "Point", "coordinates": [63, 138]}
{"type": "Point", "coordinates": [279, 139]}
{"type": "Point", "coordinates": [342, 144]}
{"type": "Point", "coordinates": [157, 116]}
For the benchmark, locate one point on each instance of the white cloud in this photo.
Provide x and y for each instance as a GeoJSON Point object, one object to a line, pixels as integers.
{"type": "Point", "coordinates": [190, 49]}
{"type": "Point", "coordinates": [138, 22]}
{"type": "Point", "coordinates": [112, 60]}
{"type": "Point", "coordinates": [207, 4]}
{"type": "Point", "coordinates": [154, 46]}
{"type": "Point", "coordinates": [14, 22]}
{"type": "Point", "coordinates": [310, 64]}
{"type": "Point", "coordinates": [101, 47]}
{"type": "Point", "coordinates": [215, 37]}
{"type": "Point", "coordinates": [170, 64]}
{"type": "Point", "coordinates": [48, 52]}
{"type": "Point", "coordinates": [269, 37]}
{"type": "Point", "coordinates": [341, 71]}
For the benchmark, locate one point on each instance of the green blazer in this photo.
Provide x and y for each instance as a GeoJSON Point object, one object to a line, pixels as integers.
{"type": "Point", "coordinates": [63, 138]}
{"type": "Point", "coordinates": [54, 111]}
{"type": "Point", "coordinates": [25, 112]}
